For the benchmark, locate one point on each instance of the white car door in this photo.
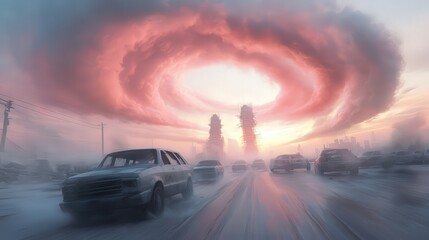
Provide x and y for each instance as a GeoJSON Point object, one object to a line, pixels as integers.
{"type": "Point", "coordinates": [168, 175]}
{"type": "Point", "coordinates": [176, 171]}
{"type": "Point", "coordinates": [186, 168]}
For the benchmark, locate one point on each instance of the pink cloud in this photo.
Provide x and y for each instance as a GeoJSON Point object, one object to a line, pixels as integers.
{"type": "Point", "coordinates": [121, 61]}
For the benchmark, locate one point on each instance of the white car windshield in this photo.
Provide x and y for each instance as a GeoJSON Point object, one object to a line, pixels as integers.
{"type": "Point", "coordinates": [127, 158]}
{"type": "Point", "coordinates": [208, 163]}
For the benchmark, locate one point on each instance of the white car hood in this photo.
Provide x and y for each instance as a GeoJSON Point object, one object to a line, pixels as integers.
{"type": "Point", "coordinates": [204, 167]}
{"type": "Point", "coordinates": [120, 172]}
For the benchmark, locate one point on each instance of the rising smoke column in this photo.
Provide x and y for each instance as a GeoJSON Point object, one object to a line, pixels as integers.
{"type": "Point", "coordinates": [408, 134]}
{"type": "Point", "coordinates": [215, 142]}
{"type": "Point", "coordinates": [248, 124]}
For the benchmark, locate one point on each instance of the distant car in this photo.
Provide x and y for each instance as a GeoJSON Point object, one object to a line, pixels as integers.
{"type": "Point", "coordinates": [259, 164]}
{"type": "Point", "coordinates": [239, 166]}
{"type": "Point", "coordinates": [288, 162]}
{"type": "Point", "coordinates": [426, 156]}
{"type": "Point", "coordinates": [398, 158]}
{"type": "Point", "coordinates": [135, 179]}
{"type": "Point", "coordinates": [403, 157]}
{"type": "Point", "coordinates": [336, 160]}
{"type": "Point", "coordinates": [12, 171]}
{"type": "Point", "coordinates": [418, 157]}
{"type": "Point", "coordinates": [371, 159]}
{"type": "Point", "coordinates": [208, 170]}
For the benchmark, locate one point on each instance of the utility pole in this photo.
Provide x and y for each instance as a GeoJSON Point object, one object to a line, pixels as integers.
{"type": "Point", "coordinates": [102, 139]}
{"type": "Point", "coordinates": [8, 106]}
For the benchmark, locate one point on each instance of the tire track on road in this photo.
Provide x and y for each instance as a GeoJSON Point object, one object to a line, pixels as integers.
{"type": "Point", "coordinates": [206, 223]}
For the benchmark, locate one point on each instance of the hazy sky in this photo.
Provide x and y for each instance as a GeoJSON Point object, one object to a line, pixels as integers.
{"type": "Point", "coordinates": [155, 71]}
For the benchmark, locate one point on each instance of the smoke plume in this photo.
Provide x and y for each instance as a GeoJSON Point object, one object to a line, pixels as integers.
{"type": "Point", "coordinates": [248, 124]}
{"type": "Point", "coordinates": [215, 142]}
{"type": "Point", "coordinates": [408, 134]}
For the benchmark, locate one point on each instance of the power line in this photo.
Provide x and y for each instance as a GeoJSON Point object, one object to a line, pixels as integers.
{"type": "Point", "coordinates": [8, 105]}
{"type": "Point", "coordinates": [46, 109]}
{"type": "Point", "coordinates": [58, 118]}
{"type": "Point", "coordinates": [20, 133]}
{"type": "Point", "coordinates": [15, 144]}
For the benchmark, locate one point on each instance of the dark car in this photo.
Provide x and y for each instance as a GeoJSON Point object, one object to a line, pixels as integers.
{"type": "Point", "coordinates": [208, 170]}
{"type": "Point", "coordinates": [403, 158]}
{"type": "Point", "coordinates": [337, 160]}
{"type": "Point", "coordinates": [239, 166]}
{"type": "Point", "coordinates": [134, 179]}
{"type": "Point", "coordinates": [288, 162]}
{"type": "Point", "coordinates": [426, 156]}
{"type": "Point", "coordinates": [419, 157]}
{"type": "Point", "coordinates": [371, 159]}
{"type": "Point", "coordinates": [259, 164]}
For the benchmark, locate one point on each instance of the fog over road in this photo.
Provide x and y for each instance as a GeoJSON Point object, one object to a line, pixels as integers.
{"type": "Point", "coordinates": [251, 205]}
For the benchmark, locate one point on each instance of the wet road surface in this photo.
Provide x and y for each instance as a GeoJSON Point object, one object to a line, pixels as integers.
{"type": "Point", "coordinates": [253, 205]}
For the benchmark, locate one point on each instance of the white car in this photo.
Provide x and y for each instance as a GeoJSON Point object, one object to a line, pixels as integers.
{"type": "Point", "coordinates": [208, 170]}
{"type": "Point", "coordinates": [139, 179]}
{"type": "Point", "coordinates": [259, 164]}
{"type": "Point", "coordinates": [289, 162]}
{"type": "Point", "coordinates": [239, 166]}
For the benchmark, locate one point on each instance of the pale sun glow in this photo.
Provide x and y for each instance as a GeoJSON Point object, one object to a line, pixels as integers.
{"type": "Point", "coordinates": [231, 85]}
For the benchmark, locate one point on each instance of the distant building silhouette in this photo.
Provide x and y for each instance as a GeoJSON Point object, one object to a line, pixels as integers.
{"type": "Point", "coordinates": [373, 140]}
{"type": "Point", "coordinates": [193, 151]}
{"type": "Point", "coordinates": [299, 148]}
{"type": "Point", "coordinates": [367, 147]}
{"type": "Point", "coordinates": [350, 143]}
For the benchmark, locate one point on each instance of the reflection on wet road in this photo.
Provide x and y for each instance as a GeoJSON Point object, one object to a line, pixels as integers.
{"type": "Point", "coordinates": [262, 205]}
